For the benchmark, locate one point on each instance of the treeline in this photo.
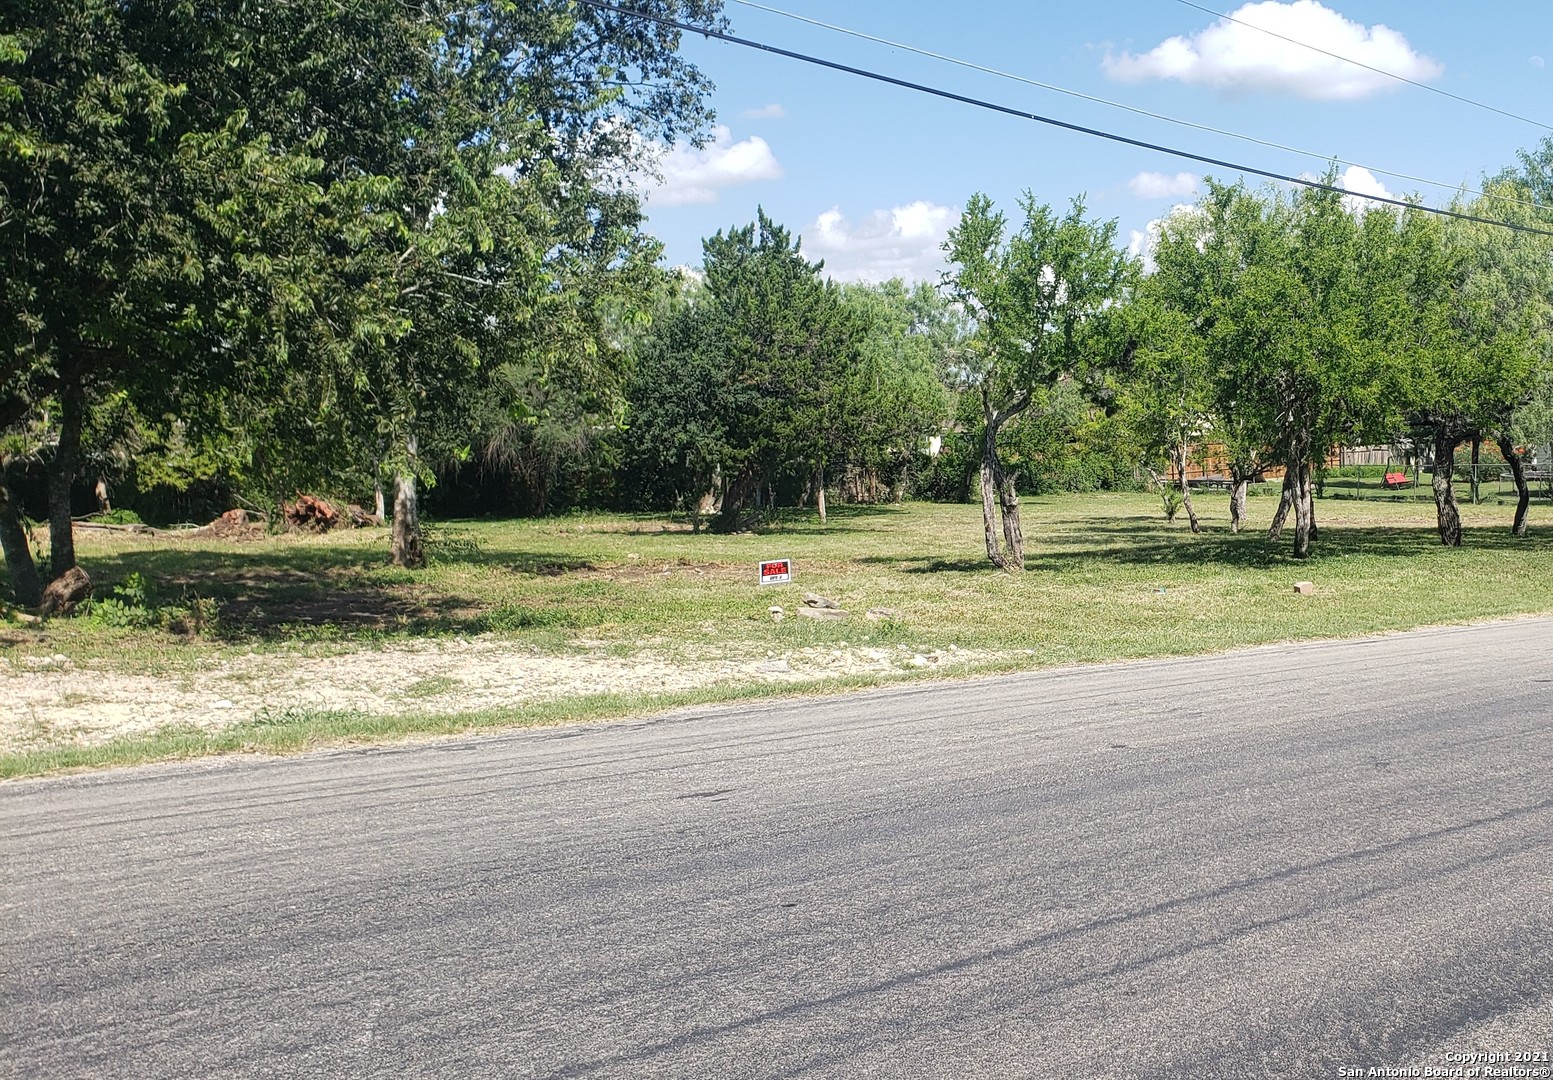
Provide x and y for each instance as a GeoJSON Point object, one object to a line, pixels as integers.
{"type": "Point", "coordinates": [1284, 326]}
{"type": "Point", "coordinates": [249, 252]}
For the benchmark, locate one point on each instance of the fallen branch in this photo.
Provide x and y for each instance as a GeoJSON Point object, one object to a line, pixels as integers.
{"type": "Point", "coordinates": [136, 528]}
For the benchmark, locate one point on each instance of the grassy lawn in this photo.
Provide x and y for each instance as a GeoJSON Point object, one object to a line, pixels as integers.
{"type": "Point", "coordinates": [1107, 579]}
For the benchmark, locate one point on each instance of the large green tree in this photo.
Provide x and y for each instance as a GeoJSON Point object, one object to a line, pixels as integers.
{"type": "Point", "coordinates": [1476, 326]}
{"type": "Point", "coordinates": [761, 376]}
{"type": "Point", "coordinates": [897, 394]}
{"type": "Point", "coordinates": [319, 218]}
{"type": "Point", "coordinates": [1304, 351]}
{"type": "Point", "coordinates": [165, 174]}
{"type": "Point", "coordinates": [1035, 295]}
{"type": "Point", "coordinates": [1524, 260]}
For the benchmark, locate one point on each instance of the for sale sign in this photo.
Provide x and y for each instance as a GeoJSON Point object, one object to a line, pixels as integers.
{"type": "Point", "coordinates": [776, 571]}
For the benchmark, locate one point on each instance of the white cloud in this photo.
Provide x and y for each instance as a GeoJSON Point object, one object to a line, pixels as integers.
{"type": "Point", "coordinates": [1537, 62]}
{"type": "Point", "coordinates": [687, 175]}
{"type": "Point", "coordinates": [1153, 185]}
{"type": "Point", "coordinates": [1360, 181]}
{"type": "Point", "coordinates": [773, 111]}
{"type": "Point", "coordinates": [1142, 242]}
{"type": "Point", "coordinates": [1234, 57]}
{"type": "Point", "coordinates": [904, 242]}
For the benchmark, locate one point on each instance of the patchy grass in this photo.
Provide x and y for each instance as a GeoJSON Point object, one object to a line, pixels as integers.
{"type": "Point", "coordinates": [1106, 579]}
{"type": "Point", "coordinates": [294, 731]}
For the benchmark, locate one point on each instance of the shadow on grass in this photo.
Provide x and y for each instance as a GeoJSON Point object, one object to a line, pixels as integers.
{"type": "Point", "coordinates": [1057, 551]}
{"type": "Point", "coordinates": [783, 521]}
{"type": "Point", "coordinates": [300, 592]}
{"type": "Point", "coordinates": [306, 594]}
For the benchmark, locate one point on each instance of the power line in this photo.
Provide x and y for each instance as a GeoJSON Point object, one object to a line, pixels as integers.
{"type": "Point", "coordinates": [1367, 67]}
{"type": "Point", "coordinates": [1009, 110]}
{"type": "Point", "coordinates": [973, 66]}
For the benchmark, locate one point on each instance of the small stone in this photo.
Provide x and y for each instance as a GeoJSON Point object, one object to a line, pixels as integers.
{"type": "Point", "coordinates": [877, 613]}
{"type": "Point", "coordinates": [1305, 588]}
{"type": "Point", "coordinates": [775, 666]}
{"type": "Point", "coordinates": [815, 600]}
{"type": "Point", "coordinates": [776, 612]}
{"type": "Point", "coordinates": [821, 613]}
{"type": "Point", "coordinates": [918, 661]}
{"type": "Point", "coordinates": [222, 703]}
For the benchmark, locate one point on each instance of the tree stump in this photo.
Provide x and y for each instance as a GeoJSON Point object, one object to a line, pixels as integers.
{"type": "Point", "coordinates": [65, 592]}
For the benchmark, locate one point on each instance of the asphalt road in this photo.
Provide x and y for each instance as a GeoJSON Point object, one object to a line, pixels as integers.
{"type": "Point", "coordinates": [1285, 862]}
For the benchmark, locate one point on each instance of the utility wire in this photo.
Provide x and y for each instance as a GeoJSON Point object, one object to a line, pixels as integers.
{"type": "Point", "coordinates": [1008, 110]}
{"type": "Point", "coordinates": [973, 66]}
{"type": "Point", "coordinates": [1367, 67]}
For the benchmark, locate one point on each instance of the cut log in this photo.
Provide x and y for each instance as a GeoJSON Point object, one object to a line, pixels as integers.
{"type": "Point", "coordinates": [311, 513]}
{"type": "Point", "coordinates": [65, 592]}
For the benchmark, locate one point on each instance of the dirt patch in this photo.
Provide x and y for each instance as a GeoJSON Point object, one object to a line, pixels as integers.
{"type": "Point", "coordinates": [355, 609]}
{"type": "Point", "coordinates": [48, 701]}
{"type": "Point", "coordinates": [256, 601]}
{"type": "Point", "coordinates": [631, 528]}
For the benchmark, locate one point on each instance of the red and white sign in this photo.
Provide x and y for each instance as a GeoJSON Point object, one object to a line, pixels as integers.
{"type": "Point", "coordinates": [776, 571]}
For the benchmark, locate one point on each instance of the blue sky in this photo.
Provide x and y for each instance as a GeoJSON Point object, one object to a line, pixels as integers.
{"type": "Point", "coordinates": [872, 176]}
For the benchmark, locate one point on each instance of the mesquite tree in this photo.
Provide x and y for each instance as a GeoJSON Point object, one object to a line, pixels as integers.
{"type": "Point", "coordinates": [1034, 296]}
{"type": "Point", "coordinates": [1297, 332]}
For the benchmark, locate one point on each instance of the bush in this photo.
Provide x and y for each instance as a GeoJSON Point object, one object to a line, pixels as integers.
{"type": "Point", "coordinates": [131, 606]}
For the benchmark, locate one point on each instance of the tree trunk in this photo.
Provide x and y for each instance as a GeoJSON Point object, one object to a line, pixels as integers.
{"type": "Point", "coordinates": [819, 490]}
{"type": "Point", "coordinates": [406, 547]}
{"type": "Point", "coordinates": [26, 587]}
{"type": "Point", "coordinates": [1285, 501]}
{"type": "Point", "coordinates": [710, 503]}
{"type": "Point", "coordinates": [1448, 515]}
{"type": "Point", "coordinates": [735, 495]}
{"type": "Point", "coordinates": [1310, 502]}
{"type": "Point", "coordinates": [989, 513]}
{"type": "Point", "coordinates": [1304, 516]}
{"type": "Point", "coordinates": [1013, 528]}
{"type": "Point", "coordinates": [1237, 499]}
{"type": "Point", "coordinates": [997, 485]}
{"type": "Point", "coordinates": [61, 474]}
{"type": "Point", "coordinates": [1163, 488]}
{"type": "Point", "coordinates": [1186, 488]}
{"type": "Point", "coordinates": [999, 497]}
{"type": "Point", "coordinates": [1477, 455]}
{"type": "Point", "coordinates": [1237, 506]}
{"type": "Point", "coordinates": [1522, 490]}
{"type": "Point", "coordinates": [407, 550]}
